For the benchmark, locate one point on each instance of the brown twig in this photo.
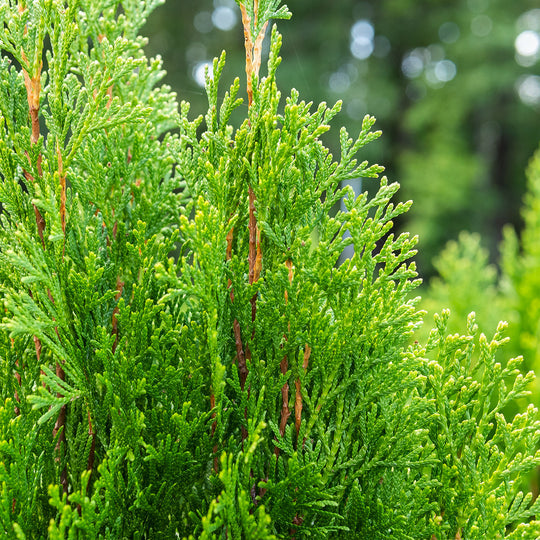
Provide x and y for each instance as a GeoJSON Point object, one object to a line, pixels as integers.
{"type": "Point", "coordinates": [119, 289]}
{"type": "Point", "coordinates": [60, 427]}
{"type": "Point", "coordinates": [33, 89]}
{"type": "Point", "coordinates": [253, 50]}
{"type": "Point", "coordinates": [298, 395]}
{"type": "Point", "coordinates": [18, 377]}
{"type": "Point", "coordinates": [284, 366]}
{"type": "Point", "coordinates": [240, 358]}
{"type": "Point", "coordinates": [62, 178]}
{"type": "Point", "coordinates": [92, 435]}
{"type": "Point", "coordinates": [212, 432]}
{"type": "Point", "coordinates": [253, 61]}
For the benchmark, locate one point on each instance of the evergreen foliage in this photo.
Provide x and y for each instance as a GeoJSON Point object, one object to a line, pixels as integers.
{"type": "Point", "coordinates": [181, 355]}
{"type": "Point", "coordinates": [468, 281]}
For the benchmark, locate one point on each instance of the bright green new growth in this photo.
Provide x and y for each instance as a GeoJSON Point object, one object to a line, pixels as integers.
{"type": "Point", "coordinates": [181, 355]}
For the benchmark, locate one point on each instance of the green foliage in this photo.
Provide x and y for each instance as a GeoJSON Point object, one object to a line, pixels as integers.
{"type": "Point", "coordinates": [521, 271]}
{"type": "Point", "coordinates": [467, 281]}
{"type": "Point", "coordinates": [181, 354]}
{"type": "Point", "coordinates": [458, 147]}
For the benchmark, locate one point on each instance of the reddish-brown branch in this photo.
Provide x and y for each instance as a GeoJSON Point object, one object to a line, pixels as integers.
{"type": "Point", "coordinates": [119, 288]}
{"type": "Point", "coordinates": [258, 256]}
{"type": "Point", "coordinates": [92, 434]}
{"type": "Point", "coordinates": [18, 377]}
{"type": "Point", "coordinates": [228, 252]}
{"type": "Point", "coordinates": [284, 366]}
{"type": "Point", "coordinates": [252, 254]}
{"type": "Point", "coordinates": [40, 222]}
{"type": "Point", "coordinates": [246, 21]}
{"type": "Point", "coordinates": [253, 61]}
{"type": "Point", "coordinates": [33, 89]}
{"type": "Point", "coordinates": [257, 49]}
{"type": "Point", "coordinates": [253, 50]}
{"type": "Point", "coordinates": [62, 178]}
{"type": "Point", "coordinates": [214, 426]}
{"type": "Point", "coordinates": [298, 396]}
{"type": "Point", "coordinates": [60, 427]}
{"type": "Point", "coordinates": [285, 412]}
{"type": "Point", "coordinates": [240, 356]}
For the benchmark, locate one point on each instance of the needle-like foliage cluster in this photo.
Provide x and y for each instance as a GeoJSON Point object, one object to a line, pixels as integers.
{"type": "Point", "coordinates": [181, 354]}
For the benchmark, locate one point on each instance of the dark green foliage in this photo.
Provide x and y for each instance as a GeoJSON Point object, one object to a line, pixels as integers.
{"type": "Point", "coordinates": [181, 355]}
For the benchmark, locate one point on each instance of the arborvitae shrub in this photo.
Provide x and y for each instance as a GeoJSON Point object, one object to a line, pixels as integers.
{"type": "Point", "coordinates": [467, 281]}
{"type": "Point", "coordinates": [181, 354]}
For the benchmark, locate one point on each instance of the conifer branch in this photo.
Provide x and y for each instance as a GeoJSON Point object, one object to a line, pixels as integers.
{"type": "Point", "coordinates": [62, 178]}
{"type": "Point", "coordinates": [59, 431]}
{"type": "Point", "coordinates": [119, 289]}
{"type": "Point", "coordinates": [18, 377]}
{"type": "Point", "coordinates": [33, 89]}
{"type": "Point", "coordinates": [92, 435]}
{"type": "Point", "coordinates": [397, 438]}
{"type": "Point", "coordinates": [284, 366]}
{"type": "Point", "coordinates": [253, 62]}
{"type": "Point", "coordinates": [298, 396]}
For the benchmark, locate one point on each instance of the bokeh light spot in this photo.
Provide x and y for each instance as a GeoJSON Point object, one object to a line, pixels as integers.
{"type": "Point", "coordinates": [362, 30]}
{"type": "Point", "coordinates": [199, 71]}
{"type": "Point", "coordinates": [224, 18]}
{"type": "Point", "coordinates": [530, 20]}
{"type": "Point", "coordinates": [203, 22]}
{"type": "Point", "coordinates": [449, 32]}
{"type": "Point", "coordinates": [339, 82]}
{"type": "Point", "coordinates": [362, 35]}
{"type": "Point", "coordinates": [445, 70]}
{"type": "Point", "coordinates": [527, 43]}
{"type": "Point", "coordinates": [528, 89]}
{"type": "Point", "coordinates": [412, 64]}
{"type": "Point", "coordinates": [481, 25]}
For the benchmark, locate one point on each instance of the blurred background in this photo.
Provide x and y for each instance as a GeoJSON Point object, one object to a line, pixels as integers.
{"type": "Point", "coordinates": [455, 87]}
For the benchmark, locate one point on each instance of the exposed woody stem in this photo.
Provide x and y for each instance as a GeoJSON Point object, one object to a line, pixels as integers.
{"type": "Point", "coordinates": [253, 62]}
{"type": "Point", "coordinates": [248, 43]}
{"type": "Point", "coordinates": [18, 377]}
{"type": "Point", "coordinates": [212, 432]}
{"type": "Point", "coordinates": [284, 366]}
{"type": "Point", "coordinates": [92, 434]}
{"type": "Point", "coordinates": [285, 412]}
{"type": "Point", "coordinates": [298, 395]}
{"type": "Point", "coordinates": [62, 178]}
{"type": "Point", "coordinates": [119, 289]}
{"type": "Point", "coordinates": [255, 253]}
{"type": "Point", "coordinates": [33, 89]}
{"type": "Point", "coordinates": [240, 356]}
{"type": "Point", "coordinates": [59, 427]}
{"type": "Point", "coordinates": [253, 50]}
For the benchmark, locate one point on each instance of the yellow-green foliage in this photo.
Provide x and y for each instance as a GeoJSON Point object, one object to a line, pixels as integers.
{"type": "Point", "coordinates": [520, 281]}
{"type": "Point", "coordinates": [467, 282]}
